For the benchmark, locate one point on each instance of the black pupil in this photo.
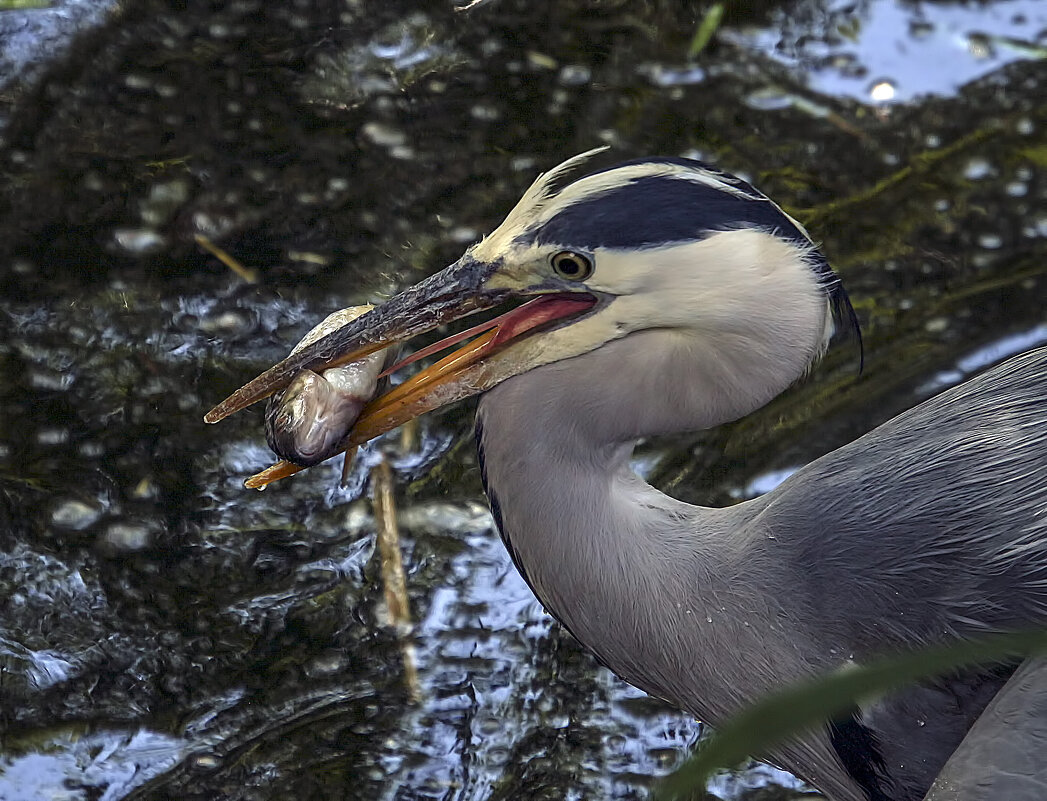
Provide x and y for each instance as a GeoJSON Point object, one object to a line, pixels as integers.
{"type": "Point", "coordinates": [570, 265]}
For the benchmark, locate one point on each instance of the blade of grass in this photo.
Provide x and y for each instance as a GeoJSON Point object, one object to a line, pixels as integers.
{"type": "Point", "coordinates": [768, 722]}
{"type": "Point", "coordinates": [710, 24]}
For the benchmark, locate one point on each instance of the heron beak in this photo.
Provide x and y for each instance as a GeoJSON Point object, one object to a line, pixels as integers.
{"type": "Point", "coordinates": [448, 295]}
{"type": "Point", "coordinates": [453, 293]}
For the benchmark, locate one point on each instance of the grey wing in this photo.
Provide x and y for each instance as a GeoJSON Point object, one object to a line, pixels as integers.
{"type": "Point", "coordinates": [1004, 755]}
{"type": "Point", "coordinates": [933, 524]}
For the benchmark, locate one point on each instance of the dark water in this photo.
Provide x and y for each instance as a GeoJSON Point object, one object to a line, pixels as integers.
{"type": "Point", "coordinates": [166, 634]}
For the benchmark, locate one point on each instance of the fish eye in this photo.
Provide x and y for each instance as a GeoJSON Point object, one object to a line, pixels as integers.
{"type": "Point", "coordinates": [572, 266]}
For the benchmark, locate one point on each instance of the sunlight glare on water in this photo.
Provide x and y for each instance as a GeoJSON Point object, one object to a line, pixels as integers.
{"type": "Point", "coordinates": [910, 49]}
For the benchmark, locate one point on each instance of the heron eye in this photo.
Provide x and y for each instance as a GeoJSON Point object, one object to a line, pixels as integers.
{"type": "Point", "coordinates": [572, 266]}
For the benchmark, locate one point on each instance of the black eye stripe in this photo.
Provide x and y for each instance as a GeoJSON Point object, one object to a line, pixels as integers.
{"type": "Point", "coordinates": [655, 210]}
{"type": "Point", "coordinates": [664, 210]}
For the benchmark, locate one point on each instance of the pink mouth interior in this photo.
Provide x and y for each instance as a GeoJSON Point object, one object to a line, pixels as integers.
{"type": "Point", "coordinates": [512, 324]}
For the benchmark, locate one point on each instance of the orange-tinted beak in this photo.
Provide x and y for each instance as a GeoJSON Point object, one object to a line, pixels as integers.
{"type": "Point", "coordinates": [448, 295]}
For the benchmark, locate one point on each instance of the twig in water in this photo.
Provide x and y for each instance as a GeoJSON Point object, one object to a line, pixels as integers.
{"type": "Point", "coordinates": [249, 275]}
{"type": "Point", "coordinates": [393, 578]}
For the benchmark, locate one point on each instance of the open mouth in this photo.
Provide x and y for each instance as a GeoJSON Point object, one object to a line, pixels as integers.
{"type": "Point", "coordinates": [534, 316]}
{"type": "Point", "coordinates": [457, 375]}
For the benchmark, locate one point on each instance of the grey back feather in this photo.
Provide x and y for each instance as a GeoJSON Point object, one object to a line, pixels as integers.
{"type": "Point", "coordinates": [1003, 755]}
{"type": "Point", "coordinates": [932, 526]}
{"type": "Point", "coordinates": [939, 516]}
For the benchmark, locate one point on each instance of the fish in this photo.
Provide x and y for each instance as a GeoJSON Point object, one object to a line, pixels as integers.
{"type": "Point", "coordinates": [306, 422]}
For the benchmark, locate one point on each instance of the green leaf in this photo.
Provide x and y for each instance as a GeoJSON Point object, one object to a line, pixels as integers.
{"type": "Point", "coordinates": [18, 5]}
{"type": "Point", "coordinates": [705, 32]}
{"type": "Point", "coordinates": [1036, 154]}
{"type": "Point", "coordinates": [805, 706]}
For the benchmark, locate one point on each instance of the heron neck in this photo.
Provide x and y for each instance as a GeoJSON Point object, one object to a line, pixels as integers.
{"type": "Point", "coordinates": [624, 567]}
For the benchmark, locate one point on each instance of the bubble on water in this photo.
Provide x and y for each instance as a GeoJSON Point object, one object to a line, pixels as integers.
{"type": "Point", "coordinates": [575, 75]}
{"type": "Point", "coordinates": [976, 169]}
{"type": "Point", "coordinates": [139, 241]}
{"type": "Point", "coordinates": [384, 135]}
{"type": "Point", "coordinates": [75, 515]}
{"type": "Point", "coordinates": [127, 537]}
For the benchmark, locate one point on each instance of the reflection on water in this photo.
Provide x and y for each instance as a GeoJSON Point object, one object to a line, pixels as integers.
{"type": "Point", "coordinates": [105, 765]}
{"type": "Point", "coordinates": [983, 357]}
{"type": "Point", "coordinates": [165, 634]}
{"type": "Point", "coordinates": [889, 51]}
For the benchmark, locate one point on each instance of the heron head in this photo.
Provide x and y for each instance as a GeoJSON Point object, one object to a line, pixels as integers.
{"type": "Point", "coordinates": [662, 244]}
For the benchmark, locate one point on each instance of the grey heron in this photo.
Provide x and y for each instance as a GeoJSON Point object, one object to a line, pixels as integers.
{"type": "Point", "coordinates": [666, 296]}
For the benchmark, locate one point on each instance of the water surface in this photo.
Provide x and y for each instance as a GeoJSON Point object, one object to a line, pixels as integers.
{"type": "Point", "coordinates": [166, 634]}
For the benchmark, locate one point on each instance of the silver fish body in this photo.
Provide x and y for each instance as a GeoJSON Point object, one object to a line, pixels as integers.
{"type": "Point", "coordinates": [305, 422]}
